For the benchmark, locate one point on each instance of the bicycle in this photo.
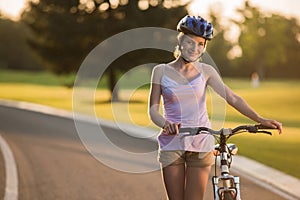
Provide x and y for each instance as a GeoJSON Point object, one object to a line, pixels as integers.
{"type": "Point", "coordinates": [225, 185]}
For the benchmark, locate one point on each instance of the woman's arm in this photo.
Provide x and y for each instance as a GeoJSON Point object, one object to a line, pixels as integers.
{"type": "Point", "coordinates": [154, 103]}
{"type": "Point", "coordinates": [155, 96]}
{"type": "Point", "coordinates": [237, 102]}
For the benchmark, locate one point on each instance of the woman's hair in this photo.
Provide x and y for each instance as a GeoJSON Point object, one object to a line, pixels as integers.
{"type": "Point", "coordinates": [177, 51]}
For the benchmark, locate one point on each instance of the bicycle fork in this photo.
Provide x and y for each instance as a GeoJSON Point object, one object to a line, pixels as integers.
{"type": "Point", "coordinates": [225, 183]}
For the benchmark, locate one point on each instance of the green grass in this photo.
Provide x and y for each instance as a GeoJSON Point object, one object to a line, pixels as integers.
{"type": "Point", "coordinates": [56, 96]}
{"type": "Point", "coordinates": [277, 151]}
{"type": "Point", "coordinates": [274, 99]}
{"type": "Point", "coordinates": [278, 99]}
{"type": "Point", "coordinates": [34, 77]}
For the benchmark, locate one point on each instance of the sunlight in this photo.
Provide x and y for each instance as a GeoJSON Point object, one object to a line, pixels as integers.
{"type": "Point", "coordinates": [12, 8]}
{"type": "Point", "coordinates": [202, 7]}
{"type": "Point", "coordinates": [226, 8]}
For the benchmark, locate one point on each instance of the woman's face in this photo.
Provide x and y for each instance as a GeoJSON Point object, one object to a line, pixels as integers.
{"type": "Point", "coordinates": [191, 47]}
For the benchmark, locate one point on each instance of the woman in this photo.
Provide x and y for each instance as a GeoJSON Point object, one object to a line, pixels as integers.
{"type": "Point", "coordinates": [186, 161]}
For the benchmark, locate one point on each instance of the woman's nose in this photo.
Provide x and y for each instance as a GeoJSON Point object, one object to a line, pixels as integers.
{"type": "Point", "coordinates": [196, 48]}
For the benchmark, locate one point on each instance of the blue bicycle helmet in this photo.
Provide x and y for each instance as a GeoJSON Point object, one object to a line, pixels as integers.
{"type": "Point", "coordinates": [197, 26]}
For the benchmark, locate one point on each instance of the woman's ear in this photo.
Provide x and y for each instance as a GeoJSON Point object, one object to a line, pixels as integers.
{"type": "Point", "coordinates": [180, 38]}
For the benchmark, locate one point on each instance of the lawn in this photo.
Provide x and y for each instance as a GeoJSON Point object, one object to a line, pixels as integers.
{"type": "Point", "coordinates": [277, 99]}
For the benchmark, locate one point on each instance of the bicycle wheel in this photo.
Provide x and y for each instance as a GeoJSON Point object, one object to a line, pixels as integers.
{"type": "Point", "coordinates": [227, 196]}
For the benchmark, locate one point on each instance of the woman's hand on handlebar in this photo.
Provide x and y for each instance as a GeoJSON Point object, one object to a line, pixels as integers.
{"type": "Point", "coordinates": [272, 124]}
{"type": "Point", "coordinates": [171, 128]}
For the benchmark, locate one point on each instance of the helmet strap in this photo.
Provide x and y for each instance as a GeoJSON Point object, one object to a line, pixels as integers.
{"type": "Point", "coordinates": [185, 60]}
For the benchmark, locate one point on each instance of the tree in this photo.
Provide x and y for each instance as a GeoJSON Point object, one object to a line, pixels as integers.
{"type": "Point", "coordinates": [219, 47]}
{"type": "Point", "coordinates": [269, 43]}
{"type": "Point", "coordinates": [66, 31]}
{"type": "Point", "coordinates": [58, 35]}
{"type": "Point", "coordinates": [14, 51]}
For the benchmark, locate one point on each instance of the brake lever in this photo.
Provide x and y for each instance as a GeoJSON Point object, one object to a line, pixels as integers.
{"type": "Point", "coordinates": [266, 132]}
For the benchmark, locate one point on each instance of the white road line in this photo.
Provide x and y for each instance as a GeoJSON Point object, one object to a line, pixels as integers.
{"type": "Point", "coordinates": [11, 189]}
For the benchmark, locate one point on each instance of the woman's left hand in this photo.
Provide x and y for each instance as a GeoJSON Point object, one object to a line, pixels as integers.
{"type": "Point", "coordinates": [272, 124]}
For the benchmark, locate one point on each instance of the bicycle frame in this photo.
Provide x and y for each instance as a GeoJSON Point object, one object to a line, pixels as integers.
{"type": "Point", "coordinates": [225, 183]}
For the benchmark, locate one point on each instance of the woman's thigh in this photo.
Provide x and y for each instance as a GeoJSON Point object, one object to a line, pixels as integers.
{"type": "Point", "coordinates": [196, 182]}
{"type": "Point", "coordinates": [174, 180]}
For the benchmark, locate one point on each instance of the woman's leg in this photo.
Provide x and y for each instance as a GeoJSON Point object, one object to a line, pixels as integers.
{"type": "Point", "coordinates": [174, 181]}
{"type": "Point", "coordinates": [196, 181]}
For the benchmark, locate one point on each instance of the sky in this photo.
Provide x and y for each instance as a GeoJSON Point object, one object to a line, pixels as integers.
{"type": "Point", "coordinates": [289, 8]}
{"type": "Point", "coordinates": [12, 8]}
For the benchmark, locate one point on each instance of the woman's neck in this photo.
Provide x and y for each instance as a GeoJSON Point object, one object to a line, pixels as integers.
{"type": "Point", "coordinates": [181, 65]}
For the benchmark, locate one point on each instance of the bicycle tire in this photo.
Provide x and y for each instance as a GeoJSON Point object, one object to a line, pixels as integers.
{"type": "Point", "coordinates": [227, 196]}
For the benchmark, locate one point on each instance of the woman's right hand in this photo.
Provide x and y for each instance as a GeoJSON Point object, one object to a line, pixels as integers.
{"type": "Point", "coordinates": [171, 128]}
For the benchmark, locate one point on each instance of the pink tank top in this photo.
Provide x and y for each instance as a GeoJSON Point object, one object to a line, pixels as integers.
{"type": "Point", "coordinates": [185, 104]}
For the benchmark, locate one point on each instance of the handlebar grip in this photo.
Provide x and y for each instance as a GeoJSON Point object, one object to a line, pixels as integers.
{"type": "Point", "coordinates": [260, 126]}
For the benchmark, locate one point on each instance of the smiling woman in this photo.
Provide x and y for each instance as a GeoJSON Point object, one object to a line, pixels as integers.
{"type": "Point", "coordinates": [12, 8]}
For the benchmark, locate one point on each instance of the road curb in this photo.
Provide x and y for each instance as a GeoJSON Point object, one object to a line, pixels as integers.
{"type": "Point", "coordinates": [272, 179]}
{"type": "Point", "coordinates": [280, 183]}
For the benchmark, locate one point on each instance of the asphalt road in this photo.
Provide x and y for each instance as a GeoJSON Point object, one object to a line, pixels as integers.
{"type": "Point", "coordinates": [53, 163]}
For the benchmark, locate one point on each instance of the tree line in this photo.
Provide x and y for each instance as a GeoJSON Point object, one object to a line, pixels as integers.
{"type": "Point", "coordinates": [14, 51]}
{"type": "Point", "coordinates": [57, 35]}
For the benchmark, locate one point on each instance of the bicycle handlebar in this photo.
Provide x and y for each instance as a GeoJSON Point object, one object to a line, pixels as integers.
{"type": "Point", "coordinates": [258, 128]}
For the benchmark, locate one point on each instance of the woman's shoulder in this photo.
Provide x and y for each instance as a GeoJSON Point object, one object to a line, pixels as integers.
{"type": "Point", "coordinates": [206, 66]}
{"type": "Point", "coordinates": [208, 69]}
{"type": "Point", "coordinates": [157, 72]}
{"type": "Point", "coordinates": [159, 67]}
